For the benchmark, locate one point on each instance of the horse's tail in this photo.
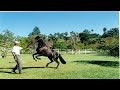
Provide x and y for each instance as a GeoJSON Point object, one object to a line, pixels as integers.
{"type": "Point", "coordinates": [61, 59]}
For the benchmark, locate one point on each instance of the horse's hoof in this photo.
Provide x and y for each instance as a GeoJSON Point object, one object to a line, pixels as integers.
{"type": "Point", "coordinates": [56, 67]}
{"type": "Point", "coordinates": [35, 60]}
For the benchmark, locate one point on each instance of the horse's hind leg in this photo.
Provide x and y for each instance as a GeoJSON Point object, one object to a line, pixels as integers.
{"type": "Point", "coordinates": [50, 61]}
{"type": "Point", "coordinates": [34, 55]}
{"type": "Point", "coordinates": [56, 60]}
{"type": "Point", "coordinates": [37, 57]}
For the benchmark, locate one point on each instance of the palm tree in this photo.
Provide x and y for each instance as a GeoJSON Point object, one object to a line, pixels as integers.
{"type": "Point", "coordinates": [104, 30]}
{"type": "Point", "coordinates": [92, 30]}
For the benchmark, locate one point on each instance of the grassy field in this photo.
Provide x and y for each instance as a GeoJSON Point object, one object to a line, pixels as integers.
{"type": "Point", "coordinates": [79, 66]}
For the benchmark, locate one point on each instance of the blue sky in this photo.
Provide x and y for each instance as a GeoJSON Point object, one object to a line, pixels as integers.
{"type": "Point", "coordinates": [22, 23]}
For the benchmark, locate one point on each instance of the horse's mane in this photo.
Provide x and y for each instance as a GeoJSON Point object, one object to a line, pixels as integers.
{"type": "Point", "coordinates": [49, 43]}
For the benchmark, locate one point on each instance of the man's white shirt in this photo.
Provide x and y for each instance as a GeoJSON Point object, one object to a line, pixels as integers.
{"type": "Point", "coordinates": [16, 49]}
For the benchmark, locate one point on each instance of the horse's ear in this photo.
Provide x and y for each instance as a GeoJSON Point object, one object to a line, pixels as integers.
{"type": "Point", "coordinates": [37, 37]}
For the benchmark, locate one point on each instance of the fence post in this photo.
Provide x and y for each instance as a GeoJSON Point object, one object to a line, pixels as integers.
{"type": "Point", "coordinates": [91, 51]}
{"type": "Point", "coordinates": [85, 51]}
{"type": "Point", "coordinates": [72, 51]}
{"type": "Point", "coordinates": [79, 51]}
{"type": "Point", "coordinates": [58, 51]}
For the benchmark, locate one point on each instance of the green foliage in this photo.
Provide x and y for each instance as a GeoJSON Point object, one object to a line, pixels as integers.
{"type": "Point", "coordinates": [7, 38]}
{"type": "Point", "coordinates": [87, 39]}
{"type": "Point", "coordinates": [84, 37]}
{"type": "Point", "coordinates": [111, 33]}
{"type": "Point", "coordinates": [110, 45]}
{"type": "Point", "coordinates": [61, 44]}
{"type": "Point", "coordinates": [27, 51]}
{"type": "Point", "coordinates": [36, 31]}
{"type": "Point", "coordinates": [24, 42]}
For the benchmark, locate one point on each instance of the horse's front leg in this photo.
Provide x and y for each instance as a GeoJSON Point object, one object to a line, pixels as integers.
{"type": "Point", "coordinates": [38, 56]}
{"type": "Point", "coordinates": [34, 55]}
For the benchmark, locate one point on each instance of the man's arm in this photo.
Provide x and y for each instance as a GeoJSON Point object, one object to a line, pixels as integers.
{"type": "Point", "coordinates": [13, 53]}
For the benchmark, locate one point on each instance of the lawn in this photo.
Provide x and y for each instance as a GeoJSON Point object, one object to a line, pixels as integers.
{"type": "Point", "coordinates": [79, 66]}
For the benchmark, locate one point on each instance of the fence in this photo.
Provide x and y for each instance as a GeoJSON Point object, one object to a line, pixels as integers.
{"type": "Point", "coordinates": [70, 51]}
{"type": "Point", "coordinates": [80, 51]}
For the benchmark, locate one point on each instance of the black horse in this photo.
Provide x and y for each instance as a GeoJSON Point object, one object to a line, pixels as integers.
{"type": "Point", "coordinates": [43, 50]}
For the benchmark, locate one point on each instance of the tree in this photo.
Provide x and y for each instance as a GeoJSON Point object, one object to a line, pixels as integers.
{"type": "Point", "coordinates": [8, 38]}
{"type": "Point", "coordinates": [65, 36]}
{"type": "Point", "coordinates": [110, 42]}
{"type": "Point", "coordinates": [92, 30]}
{"type": "Point", "coordinates": [73, 39]}
{"type": "Point", "coordinates": [104, 33]}
{"type": "Point", "coordinates": [61, 44]}
{"type": "Point", "coordinates": [58, 34]}
{"type": "Point", "coordinates": [53, 38]}
{"type": "Point", "coordinates": [111, 33]}
{"type": "Point", "coordinates": [1, 39]}
{"type": "Point", "coordinates": [104, 29]}
{"type": "Point", "coordinates": [33, 34]}
{"type": "Point", "coordinates": [6, 41]}
{"type": "Point", "coordinates": [86, 31]}
{"type": "Point", "coordinates": [83, 37]}
{"type": "Point", "coordinates": [43, 36]}
{"type": "Point", "coordinates": [36, 31]}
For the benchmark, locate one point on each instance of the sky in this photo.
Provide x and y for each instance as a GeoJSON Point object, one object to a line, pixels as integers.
{"type": "Point", "coordinates": [23, 23]}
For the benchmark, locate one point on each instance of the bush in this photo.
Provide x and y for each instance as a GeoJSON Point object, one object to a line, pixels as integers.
{"type": "Point", "coordinates": [111, 46]}
{"type": "Point", "coordinates": [27, 51]}
{"type": "Point", "coordinates": [61, 45]}
{"type": "Point", "coordinates": [114, 50]}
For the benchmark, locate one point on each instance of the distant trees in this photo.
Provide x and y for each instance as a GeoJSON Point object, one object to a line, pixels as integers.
{"type": "Point", "coordinates": [36, 31]}
{"type": "Point", "coordinates": [110, 41]}
{"type": "Point", "coordinates": [7, 38]}
{"type": "Point", "coordinates": [6, 41]}
{"type": "Point", "coordinates": [87, 39]}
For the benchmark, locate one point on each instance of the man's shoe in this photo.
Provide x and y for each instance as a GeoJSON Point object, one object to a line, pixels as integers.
{"type": "Point", "coordinates": [20, 72]}
{"type": "Point", "coordinates": [13, 71]}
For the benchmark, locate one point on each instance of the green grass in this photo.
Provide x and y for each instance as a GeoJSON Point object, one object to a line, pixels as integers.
{"type": "Point", "coordinates": [79, 66]}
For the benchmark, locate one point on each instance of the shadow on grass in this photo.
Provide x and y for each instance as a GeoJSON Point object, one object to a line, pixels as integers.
{"type": "Point", "coordinates": [5, 72]}
{"type": "Point", "coordinates": [22, 69]}
{"type": "Point", "coordinates": [114, 64]}
{"type": "Point", "coordinates": [27, 67]}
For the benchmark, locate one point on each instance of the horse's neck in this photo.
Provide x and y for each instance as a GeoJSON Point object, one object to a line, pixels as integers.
{"type": "Point", "coordinates": [41, 43]}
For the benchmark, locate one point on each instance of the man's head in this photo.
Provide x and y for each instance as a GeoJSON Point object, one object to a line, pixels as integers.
{"type": "Point", "coordinates": [17, 43]}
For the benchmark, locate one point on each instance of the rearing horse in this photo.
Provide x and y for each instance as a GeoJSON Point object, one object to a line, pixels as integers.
{"type": "Point", "coordinates": [43, 50]}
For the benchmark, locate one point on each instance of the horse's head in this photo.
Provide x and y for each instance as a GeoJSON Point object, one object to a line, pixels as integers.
{"type": "Point", "coordinates": [37, 38]}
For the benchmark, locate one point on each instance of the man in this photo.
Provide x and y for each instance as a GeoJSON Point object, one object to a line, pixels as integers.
{"type": "Point", "coordinates": [16, 54]}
